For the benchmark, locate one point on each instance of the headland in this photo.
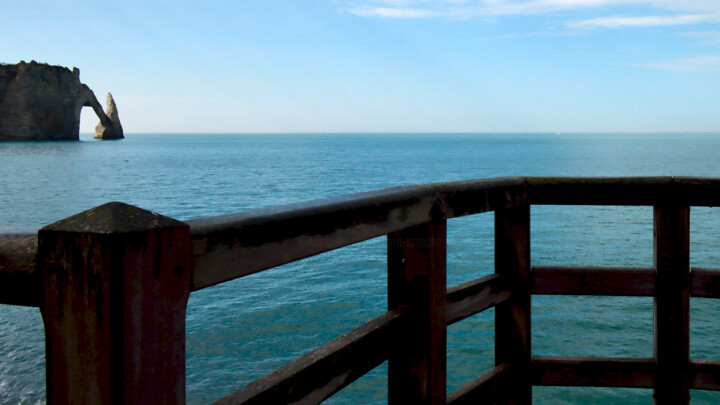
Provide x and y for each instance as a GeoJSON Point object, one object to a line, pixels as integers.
{"type": "Point", "coordinates": [42, 102]}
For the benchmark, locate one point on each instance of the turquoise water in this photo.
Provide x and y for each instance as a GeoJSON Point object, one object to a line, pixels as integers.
{"type": "Point", "coordinates": [239, 331]}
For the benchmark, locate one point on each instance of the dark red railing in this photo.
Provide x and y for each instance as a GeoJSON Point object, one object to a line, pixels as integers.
{"type": "Point", "coordinates": [112, 284]}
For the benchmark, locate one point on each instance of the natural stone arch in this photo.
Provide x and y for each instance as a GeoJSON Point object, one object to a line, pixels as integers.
{"type": "Point", "coordinates": [43, 102]}
{"type": "Point", "coordinates": [109, 126]}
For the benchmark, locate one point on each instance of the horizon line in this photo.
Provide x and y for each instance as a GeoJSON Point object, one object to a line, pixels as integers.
{"type": "Point", "coordinates": [411, 132]}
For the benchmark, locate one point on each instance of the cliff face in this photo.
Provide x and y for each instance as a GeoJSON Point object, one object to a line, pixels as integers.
{"type": "Point", "coordinates": [43, 102]}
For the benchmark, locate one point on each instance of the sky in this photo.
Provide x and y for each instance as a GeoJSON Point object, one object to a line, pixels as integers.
{"type": "Point", "coordinates": [265, 66]}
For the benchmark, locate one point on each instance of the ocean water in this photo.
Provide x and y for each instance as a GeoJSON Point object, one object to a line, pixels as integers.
{"type": "Point", "coordinates": [241, 330]}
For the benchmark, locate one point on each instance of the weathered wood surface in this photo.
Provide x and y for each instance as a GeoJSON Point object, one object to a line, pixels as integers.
{"type": "Point", "coordinates": [19, 283]}
{"type": "Point", "coordinates": [231, 246]}
{"type": "Point", "coordinates": [488, 389]}
{"type": "Point", "coordinates": [274, 236]}
{"type": "Point", "coordinates": [696, 191]}
{"type": "Point", "coordinates": [593, 281]}
{"type": "Point", "coordinates": [512, 317]}
{"type": "Point", "coordinates": [616, 372]}
{"type": "Point", "coordinates": [705, 375]}
{"type": "Point", "coordinates": [476, 296]}
{"type": "Point", "coordinates": [417, 280]}
{"type": "Point", "coordinates": [648, 191]}
{"type": "Point", "coordinates": [593, 372]}
{"type": "Point", "coordinates": [317, 375]}
{"type": "Point", "coordinates": [705, 283]}
{"type": "Point", "coordinates": [598, 190]}
{"type": "Point", "coordinates": [116, 282]}
{"type": "Point", "coordinates": [671, 304]}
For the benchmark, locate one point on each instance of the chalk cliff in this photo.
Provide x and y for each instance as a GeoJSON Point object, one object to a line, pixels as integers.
{"type": "Point", "coordinates": [43, 102]}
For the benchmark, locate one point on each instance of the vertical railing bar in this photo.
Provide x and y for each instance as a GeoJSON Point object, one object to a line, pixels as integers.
{"type": "Point", "coordinates": [417, 281]}
{"type": "Point", "coordinates": [512, 318]}
{"type": "Point", "coordinates": [671, 304]}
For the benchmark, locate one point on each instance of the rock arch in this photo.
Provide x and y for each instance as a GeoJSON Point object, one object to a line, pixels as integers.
{"type": "Point", "coordinates": [43, 102]}
{"type": "Point", "coordinates": [109, 126]}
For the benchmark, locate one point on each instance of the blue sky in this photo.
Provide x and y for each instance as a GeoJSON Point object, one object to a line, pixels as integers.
{"type": "Point", "coordinates": [384, 65]}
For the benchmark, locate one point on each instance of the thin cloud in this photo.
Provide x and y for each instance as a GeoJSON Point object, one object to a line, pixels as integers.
{"type": "Point", "coordinates": [389, 12]}
{"type": "Point", "coordinates": [706, 37]}
{"type": "Point", "coordinates": [645, 21]}
{"type": "Point", "coordinates": [688, 11]}
{"type": "Point", "coordinates": [694, 64]}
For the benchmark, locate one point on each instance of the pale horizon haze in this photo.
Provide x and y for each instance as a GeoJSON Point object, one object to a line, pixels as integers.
{"type": "Point", "coordinates": [383, 65]}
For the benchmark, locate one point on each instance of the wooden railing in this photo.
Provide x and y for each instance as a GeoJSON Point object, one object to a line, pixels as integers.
{"type": "Point", "coordinates": [112, 284]}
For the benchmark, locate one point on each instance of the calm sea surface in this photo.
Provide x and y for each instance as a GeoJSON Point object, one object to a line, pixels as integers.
{"type": "Point", "coordinates": [241, 330]}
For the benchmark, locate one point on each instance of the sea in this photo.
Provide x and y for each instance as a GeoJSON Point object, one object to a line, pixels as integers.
{"type": "Point", "coordinates": [241, 330]}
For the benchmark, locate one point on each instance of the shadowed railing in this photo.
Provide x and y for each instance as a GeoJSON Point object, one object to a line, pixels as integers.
{"type": "Point", "coordinates": [112, 284]}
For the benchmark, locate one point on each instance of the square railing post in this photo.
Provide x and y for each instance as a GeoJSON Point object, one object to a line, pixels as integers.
{"type": "Point", "coordinates": [116, 280]}
{"type": "Point", "coordinates": [671, 304]}
{"type": "Point", "coordinates": [417, 281]}
{"type": "Point", "coordinates": [512, 318]}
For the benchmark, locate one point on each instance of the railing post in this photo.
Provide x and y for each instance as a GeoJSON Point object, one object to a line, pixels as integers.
{"type": "Point", "coordinates": [512, 318]}
{"type": "Point", "coordinates": [417, 281]}
{"type": "Point", "coordinates": [116, 285]}
{"type": "Point", "coordinates": [671, 304]}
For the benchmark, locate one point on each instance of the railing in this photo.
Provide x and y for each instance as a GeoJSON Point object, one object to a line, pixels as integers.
{"type": "Point", "coordinates": [112, 284]}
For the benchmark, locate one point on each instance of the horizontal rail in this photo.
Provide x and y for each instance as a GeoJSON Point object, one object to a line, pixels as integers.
{"type": "Point", "coordinates": [705, 283]}
{"type": "Point", "coordinates": [690, 191]}
{"type": "Point", "coordinates": [616, 281]}
{"type": "Point", "coordinates": [615, 372]}
{"type": "Point", "coordinates": [705, 375]}
{"type": "Point", "coordinates": [19, 284]}
{"type": "Point", "coordinates": [236, 245]}
{"type": "Point", "coordinates": [598, 191]}
{"type": "Point", "coordinates": [593, 281]}
{"type": "Point", "coordinates": [476, 296]}
{"type": "Point", "coordinates": [317, 375]}
{"type": "Point", "coordinates": [593, 372]}
{"type": "Point", "coordinates": [275, 236]}
{"type": "Point", "coordinates": [271, 237]}
{"type": "Point", "coordinates": [485, 389]}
